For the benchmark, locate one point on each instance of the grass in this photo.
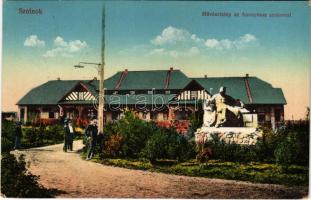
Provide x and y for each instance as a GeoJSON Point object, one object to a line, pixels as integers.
{"type": "Point", "coordinates": [254, 171]}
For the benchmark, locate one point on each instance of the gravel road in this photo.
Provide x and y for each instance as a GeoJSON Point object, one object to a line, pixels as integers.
{"type": "Point", "coordinates": [76, 177]}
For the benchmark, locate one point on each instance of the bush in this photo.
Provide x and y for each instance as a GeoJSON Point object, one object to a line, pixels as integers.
{"type": "Point", "coordinates": [234, 152]}
{"type": "Point", "coordinates": [54, 133]}
{"type": "Point", "coordinates": [287, 151]}
{"type": "Point", "coordinates": [168, 144]}
{"type": "Point", "coordinates": [30, 136]}
{"type": "Point", "coordinates": [288, 145]}
{"type": "Point", "coordinates": [113, 145]}
{"type": "Point", "coordinates": [132, 137]}
{"type": "Point", "coordinates": [16, 181]}
{"type": "Point", "coordinates": [133, 134]}
{"type": "Point", "coordinates": [196, 121]}
{"type": "Point", "coordinates": [43, 135]}
{"type": "Point", "coordinates": [7, 136]}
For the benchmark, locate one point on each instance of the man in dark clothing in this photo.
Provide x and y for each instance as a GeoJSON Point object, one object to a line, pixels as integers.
{"type": "Point", "coordinates": [91, 134]}
{"type": "Point", "coordinates": [18, 135]}
{"type": "Point", "coordinates": [66, 137]}
{"type": "Point", "coordinates": [70, 135]}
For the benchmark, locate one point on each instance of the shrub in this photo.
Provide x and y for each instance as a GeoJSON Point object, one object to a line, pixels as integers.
{"type": "Point", "coordinates": [54, 133]}
{"type": "Point", "coordinates": [196, 121]}
{"type": "Point", "coordinates": [232, 152]}
{"type": "Point", "coordinates": [113, 145]}
{"type": "Point", "coordinates": [7, 135]}
{"type": "Point", "coordinates": [134, 133]}
{"type": "Point", "coordinates": [168, 144]}
{"type": "Point", "coordinates": [288, 145]}
{"type": "Point", "coordinates": [16, 181]}
{"type": "Point", "coordinates": [30, 137]}
{"type": "Point", "coordinates": [43, 135]}
{"type": "Point", "coordinates": [287, 151]}
{"type": "Point", "coordinates": [132, 137]}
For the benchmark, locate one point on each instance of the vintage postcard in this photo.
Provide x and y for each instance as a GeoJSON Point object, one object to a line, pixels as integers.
{"type": "Point", "coordinates": [155, 99]}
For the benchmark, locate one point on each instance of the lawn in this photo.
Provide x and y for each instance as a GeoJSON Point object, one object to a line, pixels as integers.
{"type": "Point", "coordinates": [254, 171]}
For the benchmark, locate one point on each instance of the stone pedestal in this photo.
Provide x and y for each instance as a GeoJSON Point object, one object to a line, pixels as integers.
{"type": "Point", "coordinates": [237, 135]}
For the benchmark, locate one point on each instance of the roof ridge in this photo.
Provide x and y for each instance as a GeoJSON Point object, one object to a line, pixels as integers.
{"type": "Point", "coordinates": [221, 77]}
{"type": "Point", "coordinates": [153, 70]}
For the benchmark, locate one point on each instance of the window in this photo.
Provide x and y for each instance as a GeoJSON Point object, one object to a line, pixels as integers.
{"type": "Point", "coordinates": [132, 92]}
{"type": "Point", "coordinates": [115, 92]}
{"type": "Point", "coordinates": [51, 115]}
{"type": "Point", "coordinates": [167, 92]}
{"type": "Point", "coordinates": [144, 115]}
{"type": "Point", "coordinates": [150, 92]}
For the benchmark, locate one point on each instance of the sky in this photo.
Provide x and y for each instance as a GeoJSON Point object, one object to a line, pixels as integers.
{"type": "Point", "coordinates": [157, 35]}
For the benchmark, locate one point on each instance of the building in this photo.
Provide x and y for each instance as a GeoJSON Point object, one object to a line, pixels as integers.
{"type": "Point", "coordinates": [9, 116]}
{"type": "Point", "coordinates": [164, 96]}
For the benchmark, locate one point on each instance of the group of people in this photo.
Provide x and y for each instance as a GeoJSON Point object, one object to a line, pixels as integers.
{"type": "Point", "coordinates": [91, 133]}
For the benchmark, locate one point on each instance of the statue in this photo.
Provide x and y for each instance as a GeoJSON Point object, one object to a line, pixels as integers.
{"type": "Point", "coordinates": [221, 110]}
{"type": "Point", "coordinates": [223, 118]}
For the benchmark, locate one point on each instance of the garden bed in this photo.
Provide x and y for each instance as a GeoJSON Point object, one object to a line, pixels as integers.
{"type": "Point", "coordinates": [257, 172]}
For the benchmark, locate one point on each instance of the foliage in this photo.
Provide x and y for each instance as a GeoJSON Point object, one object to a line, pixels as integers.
{"type": "Point", "coordinates": [32, 136]}
{"type": "Point", "coordinates": [132, 134]}
{"type": "Point", "coordinates": [254, 171]}
{"type": "Point", "coordinates": [55, 133]}
{"type": "Point", "coordinates": [43, 135]}
{"type": "Point", "coordinates": [7, 135]}
{"type": "Point", "coordinates": [289, 149]}
{"type": "Point", "coordinates": [16, 181]}
{"type": "Point", "coordinates": [132, 137]}
{"type": "Point", "coordinates": [287, 145]}
{"type": "Point", "coordinates": [167, 144]}
{"type": "Point", "coordinates": [196, 121]}
{"type": "Point", "coordinates": [232, 152]}
{"type": "Point", "coordinates": [113, 145]}
{"type": "Point", "coordinates": [135, 133]}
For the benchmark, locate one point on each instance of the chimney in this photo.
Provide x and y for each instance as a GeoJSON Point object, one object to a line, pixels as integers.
{"type": "Point", "coordinates": [246, 75]}
{"type": "Point", "coordinates": [205, 76]}
{"type": "Point", "coordinates": [58, 78]}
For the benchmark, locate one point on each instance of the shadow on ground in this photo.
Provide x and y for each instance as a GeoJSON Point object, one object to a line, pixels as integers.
{"type": "Point", "coordinates": [52, 192]}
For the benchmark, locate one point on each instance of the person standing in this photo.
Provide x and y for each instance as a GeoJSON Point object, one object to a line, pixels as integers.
{"type": "Point", "coordinates": [70, 136]}
{"type": "Point", "coordinates": [91, 134]}
{"type": "Point", "coordinates": [18, 135]}
{"type": "Point", "coordinates": [66, 136]}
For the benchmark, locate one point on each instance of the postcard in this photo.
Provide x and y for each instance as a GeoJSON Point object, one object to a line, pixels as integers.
{"type": "Point", "coordinates": [155, 99]}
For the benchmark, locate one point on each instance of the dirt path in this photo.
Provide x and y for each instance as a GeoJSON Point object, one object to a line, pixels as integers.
{"type": "Point", "coordinates": [79, 178]}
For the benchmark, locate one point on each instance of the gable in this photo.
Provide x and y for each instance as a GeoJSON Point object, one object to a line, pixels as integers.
{"type": "Point", "coordinates": [79, 93]}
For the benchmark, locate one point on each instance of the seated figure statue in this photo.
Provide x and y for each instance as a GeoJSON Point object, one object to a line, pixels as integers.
{"type": "Point", "coordinates": [221, 110]}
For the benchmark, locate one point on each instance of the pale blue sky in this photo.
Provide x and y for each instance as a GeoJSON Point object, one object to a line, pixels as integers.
{"type": "Point", "coordinates": [157, 35]}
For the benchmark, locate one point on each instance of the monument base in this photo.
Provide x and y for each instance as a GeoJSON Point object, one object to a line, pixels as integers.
{"type": "Point", "coordinates": [230, 135]}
